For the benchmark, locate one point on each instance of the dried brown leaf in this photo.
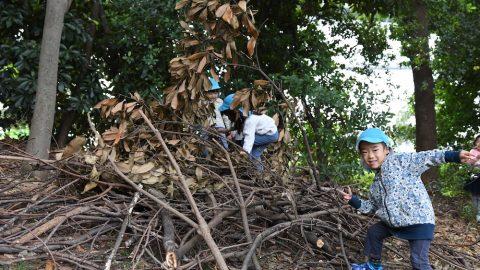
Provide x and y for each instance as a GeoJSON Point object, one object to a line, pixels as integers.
{"type": "Point", "coordinates": [180, 4]}
{"type": "Point", "coordinates": [74, 146]}
{"type": "Point", "coordinates": [228, 51]}
{"type": "Point", "coordinates": [174, 103]}
{"type": "Point", "coordinates": [251, 46]}
{"type": "Point", "coordinates": [221, 10]}
{"type": "Point", "coordinates": [144, 168]}
{"type": "Point", "coordinates": [260, 82]}
{"type": "Point", "coordinates": [117, 108]}
{"type": "Point", "coordinates": [106, 102]}
{"type": "Point", "coordinates": [228, 15]}
{"type": "Point", "coordinates": [243, 5]}
{"type": "Point", "coordinates": [202, 64]}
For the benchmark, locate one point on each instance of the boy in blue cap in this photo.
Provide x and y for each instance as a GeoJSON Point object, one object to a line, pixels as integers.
{"type": "Point", "coordinates": [398, 197]}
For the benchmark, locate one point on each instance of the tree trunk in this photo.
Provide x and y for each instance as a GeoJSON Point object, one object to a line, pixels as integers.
{"type": "Point", "coordinates": [425, 132]}
{"type": "Point", "coordinates": [44, 111]}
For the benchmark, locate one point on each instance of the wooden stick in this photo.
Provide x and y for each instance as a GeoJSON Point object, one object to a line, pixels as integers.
{"type": "Point", "coordinates": [241, 202]}
{"type": "Point", "coordinates": [51, 224]}
{"type": "Point", "coordinates": [262, 236]}
{"type": "Point", "coordinates": [126, 220]}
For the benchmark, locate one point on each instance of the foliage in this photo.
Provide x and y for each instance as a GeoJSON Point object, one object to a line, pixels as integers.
{"type": "Point", "coordinates": [452, 178]}
{"type": "Point", "coordinates": [16, 132]}
{"type": "Point", "coordinates": [457, 64]}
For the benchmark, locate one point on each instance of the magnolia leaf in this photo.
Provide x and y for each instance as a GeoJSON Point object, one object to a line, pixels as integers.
{"type": "Point", "coordinates": [198, 173]}
{"type": "Point", "coordinates": [174, 103]}
{"type": "Point", "coordinates": [89, 186]}
{"type": "Point", "coordinates": [190, 182]}
{"type": "Point", "coordinates": [181, 4]}
{"type": "Point", "coordinates": [221, 10]}
{"type": "Point", "coordinates": [184, 25]}
{"type": "Point", "coordinates": [182, 86]}
{"type": "Point", "coordinates": [260, 82]}
{"type": "Point", "coordinates": [228, 15]}
{"type": "Point", "coordinates": [89, 159]}
{"type": "Point", "coordinates": [234, 22]}
{"type": "Point", "coordinates": [203, 15]}
{"type": "Point", "coordinates": [123, 167]}
{"type": "Point", "coordinates": [113, 154]}
{"type": "Point", "coordinates": [121, 131]}
{"type": "Point", "coordinates": [173, 142]}
{"type": "Point", "coordinates": [139, 169]}
{"type": "Point", "coordinates": [74, 146]}
{"type": "Point", "coordinates": [151, 180]}
{"type": "Point", "coordinates": [214, 74]}
{"type": "Point", "coordinates": [202, 64]}
{"type": "Point", "coordinates": [136, 96]}
{"type": "Point", "coordinates": [106, 102]}
{"type": "Point", "coordinates": [251, 46]}
{"type": "Point", "coordinates": [110, 134]}
{"type": "Point", "coordinates": [117, 108]}
{"type": "Point", "coordinates": [243, 5]}
{"type": "Point", "coordinates": [50, 265]}
{"type": "Point", "coordinates": [130, 106]}
{"type": "Point", "coordinates": [228, 51]}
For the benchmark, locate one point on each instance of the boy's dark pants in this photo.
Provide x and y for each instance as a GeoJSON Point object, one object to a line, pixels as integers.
{"type": "Point", "coordinates": [418, 248]}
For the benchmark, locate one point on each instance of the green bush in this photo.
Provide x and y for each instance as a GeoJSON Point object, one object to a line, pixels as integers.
{"type": "Point", "coordinates": [452, 178]}
{"type": "Point", "coordinates": [16, 132]}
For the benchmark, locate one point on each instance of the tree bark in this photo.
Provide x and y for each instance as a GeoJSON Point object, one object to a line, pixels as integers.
{"type": "Point", "coordinates": [425, 132]}
{"type": "Point", "coordinates": [44, 110]}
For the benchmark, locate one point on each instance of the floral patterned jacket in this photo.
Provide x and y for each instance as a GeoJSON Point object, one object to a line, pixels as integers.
{"type": "Point", "coordinates": [398, 196]}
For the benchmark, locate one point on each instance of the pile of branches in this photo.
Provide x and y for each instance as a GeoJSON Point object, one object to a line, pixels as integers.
{"type": "Point", "coordinates": [159, 190]}
{"type": "Point", "coordinates": [242, 219]}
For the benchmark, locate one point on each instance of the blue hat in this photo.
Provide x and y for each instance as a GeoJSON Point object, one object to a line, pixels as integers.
{"type": "Point", "coordinates": [214, 83]}
{"type": "Point", "coordinates": [226, 103]}
{"type": "Point", "coordinates": [373, 135]}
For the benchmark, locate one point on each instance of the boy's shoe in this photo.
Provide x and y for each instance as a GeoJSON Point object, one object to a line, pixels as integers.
{"type": "Point", "coordinates": [366, 266]}
{"type": "Point", "coordinates": [478, 218]}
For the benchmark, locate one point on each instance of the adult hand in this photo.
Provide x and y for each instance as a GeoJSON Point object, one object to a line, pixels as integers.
{"type": "Point", "coordinates": [467, 157]}
{"type": "Point", "coordinates": [347, 196]}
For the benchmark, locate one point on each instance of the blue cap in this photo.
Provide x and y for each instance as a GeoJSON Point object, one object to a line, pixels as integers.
{"type": "Point", "coordinates": [214, 83]}
{"type": "Point", "coordinates": [373, 135]}
{"type": "Point", "coordinates": [226, 103]}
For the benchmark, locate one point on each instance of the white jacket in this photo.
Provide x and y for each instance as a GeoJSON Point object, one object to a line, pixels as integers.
{"type": "Point", "coordinates": [257, 124]}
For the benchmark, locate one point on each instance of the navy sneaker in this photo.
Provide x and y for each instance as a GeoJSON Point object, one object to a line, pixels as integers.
{"type": "Point", "coordinates": [367, 266]}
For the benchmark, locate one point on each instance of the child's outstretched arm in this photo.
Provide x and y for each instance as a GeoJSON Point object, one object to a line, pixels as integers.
{"type": "Point", "coordinates": [364, 206]}
{"type": "Point", "coordinates": [419, 162]}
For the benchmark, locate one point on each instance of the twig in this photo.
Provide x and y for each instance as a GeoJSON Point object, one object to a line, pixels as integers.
{"type": "Point", "coordinates": [126, 220]}
{"type": "Point", "coordinates": [266, 233]}
{"type": "Point", "coordinates": [241, 202]}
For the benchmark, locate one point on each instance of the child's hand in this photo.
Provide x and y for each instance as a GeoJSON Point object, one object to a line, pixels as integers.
{"type": "Point", "coordinates": [467, 157]}
{"type": "Point", "coordinates": [346, 196]}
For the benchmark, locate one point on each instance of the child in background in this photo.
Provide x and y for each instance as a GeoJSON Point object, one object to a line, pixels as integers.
{"type": "Point", "coordinates": [398, 197]}
{"type": "Point", "coordinates": [473, 185]}
{"type": "Point", "coordinates": [259, 131]}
